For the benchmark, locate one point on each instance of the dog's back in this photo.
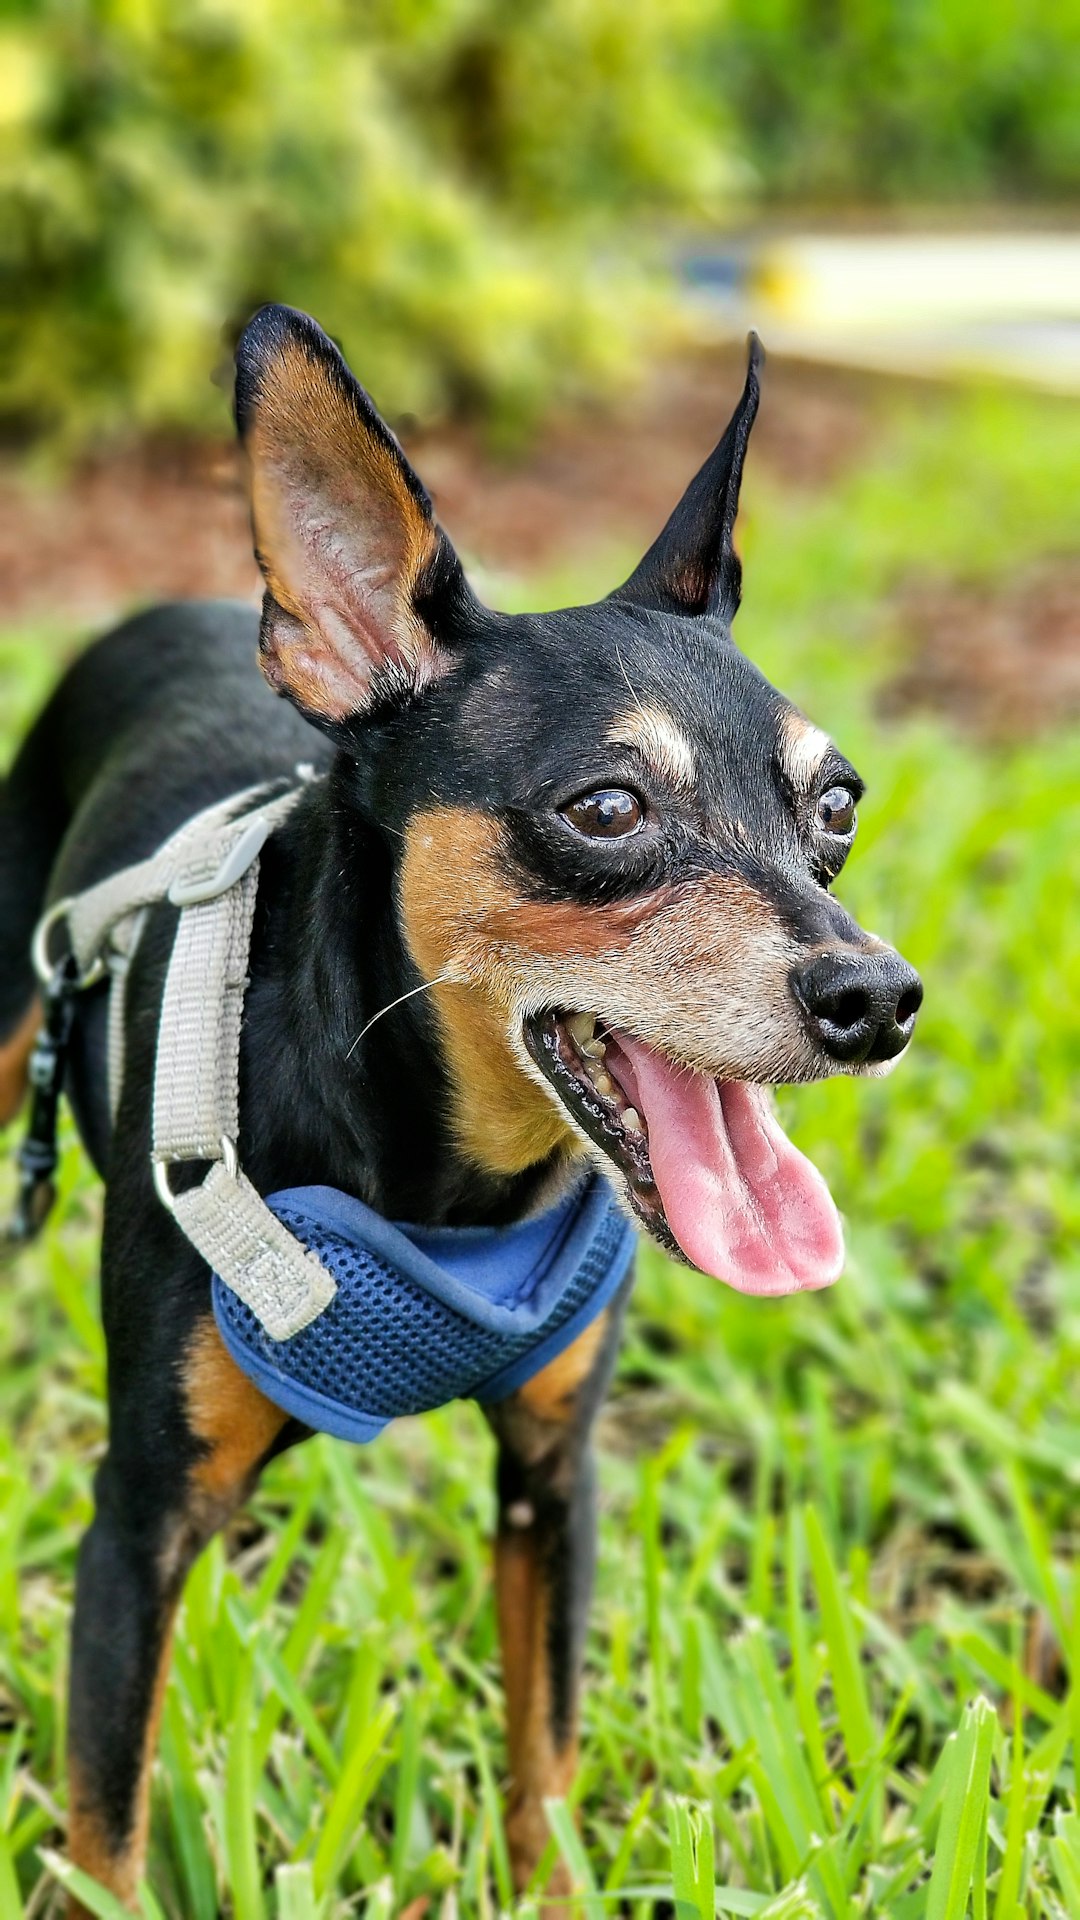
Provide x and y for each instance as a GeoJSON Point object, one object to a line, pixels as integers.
{"type": "Point", "coordinates": [163, 715]}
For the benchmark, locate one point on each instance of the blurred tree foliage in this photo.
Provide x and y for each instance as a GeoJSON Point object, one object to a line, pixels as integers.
{"type": "Point", "coordinates": [435, 179]}
{"type": "Point", "coordinates": [457, 188]}
{"type": "Point", "coordinates": [856, 101]}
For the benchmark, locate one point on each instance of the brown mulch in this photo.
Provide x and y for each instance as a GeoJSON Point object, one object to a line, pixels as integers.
{"type": "Point", "coordinates": [999, 659]}
{"type": "Point", "coordinates": [169, 520]}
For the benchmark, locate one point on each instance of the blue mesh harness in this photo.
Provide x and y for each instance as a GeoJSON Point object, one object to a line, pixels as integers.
{"type": "Point", "coordinates": [424, 1315]}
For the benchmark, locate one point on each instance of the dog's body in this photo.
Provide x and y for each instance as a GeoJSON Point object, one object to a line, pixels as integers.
{"type": "Point", "coordinates": [603, 809]}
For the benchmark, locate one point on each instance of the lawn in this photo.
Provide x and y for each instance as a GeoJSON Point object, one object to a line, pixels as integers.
{"type": "Point", "coordinates": [829, 1524]}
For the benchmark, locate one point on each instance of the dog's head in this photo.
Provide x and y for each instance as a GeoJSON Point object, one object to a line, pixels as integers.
{"type": "Point", "coordinates": [614, 840]}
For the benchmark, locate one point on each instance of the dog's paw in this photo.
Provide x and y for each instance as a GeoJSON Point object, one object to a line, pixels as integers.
{"type": "Point", "coordinates": [528, 1836]}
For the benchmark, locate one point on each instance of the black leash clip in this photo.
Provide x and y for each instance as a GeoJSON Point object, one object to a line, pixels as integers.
{"type": "Point", "coordinates": [38, 1155]}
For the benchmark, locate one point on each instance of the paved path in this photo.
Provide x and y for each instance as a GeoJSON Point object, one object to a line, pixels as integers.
{"type": "Point", "coordinates": [1005, 305]}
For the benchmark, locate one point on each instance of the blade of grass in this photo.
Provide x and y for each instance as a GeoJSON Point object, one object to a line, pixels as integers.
{"type": "Point", "coordinates": [1065, 1853]}
{"type": "Point", "coordinates": [97, 1900]}
{"type": "Point", "coordinates": [10, 1897]}
{"type": "Point", "coordinates": [838, 1627]}
{"type": "Point", "coordinates": [295, 1891]}
{"type": "Point", "coordinates": [241, 1775]}
{"type": "Point", "coordinates": [186, 1814]}
{"type": "Point", "coordinates": [569, 1842]}
{"type": "Point", "coordinates": [492, 1804]}
{"type": "Point", "coordinates": [693, 1862]}
{"type": "Point", "coordinates": [359, 1775]}
{"type": "Point", "coordinates": [963, 1812]}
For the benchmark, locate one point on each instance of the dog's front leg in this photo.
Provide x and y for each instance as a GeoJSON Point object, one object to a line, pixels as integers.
{"type": "Point", "coordinates": [544, 1560]}
{"type": "Point", "coordinates": [187, 1437]}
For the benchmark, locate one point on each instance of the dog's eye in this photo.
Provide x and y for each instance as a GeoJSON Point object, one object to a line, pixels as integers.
{"type": "Point", "coordinates": [605, 815]}
{"type": "Point", "coordinates": [836, 812]}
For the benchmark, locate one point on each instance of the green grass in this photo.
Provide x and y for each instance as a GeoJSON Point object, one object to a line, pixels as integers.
{"type": "Point", "coordinates": [827, 1522]}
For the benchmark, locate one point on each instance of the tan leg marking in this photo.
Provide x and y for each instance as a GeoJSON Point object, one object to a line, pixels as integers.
{"type": "Point", "coordinates": [15, 1054]}
{"type": "Point", "coordinates": [538, 1769]}
{"type": "Point", "coordinates": [237, 1425]}
{"type": "Point", "coordinates": [88, 1844]}
{"type": "Point", "coordinates": [549, 1394]}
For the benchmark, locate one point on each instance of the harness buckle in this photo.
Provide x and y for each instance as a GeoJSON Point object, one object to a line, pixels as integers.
{"type": "Point", "coordinates": [244, 850]}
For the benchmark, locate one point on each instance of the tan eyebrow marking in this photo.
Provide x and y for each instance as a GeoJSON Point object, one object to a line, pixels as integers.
{"type": "Point", "coordinates": [660, 740]}
{"type": "Point", "coordinates": [802, 747]}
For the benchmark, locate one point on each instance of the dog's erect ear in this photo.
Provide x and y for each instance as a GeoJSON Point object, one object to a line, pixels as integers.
{"type": "Point", "coordinates": [344, 531]}
{"type": "Point", "coordinates": [693, 566]}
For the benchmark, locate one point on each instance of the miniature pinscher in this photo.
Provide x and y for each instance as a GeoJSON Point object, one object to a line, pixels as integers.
{"type": "Point", "coordinates": [600, 841]}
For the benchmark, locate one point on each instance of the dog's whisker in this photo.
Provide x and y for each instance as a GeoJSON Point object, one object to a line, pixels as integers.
{"type": "Point", "coordinates": [629, 684]}
{"type": "Point", "coordinates": [424, 987]}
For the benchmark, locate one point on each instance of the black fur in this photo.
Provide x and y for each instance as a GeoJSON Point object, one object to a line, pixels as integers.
{"type": "Point", "coordinates": [167, 714]}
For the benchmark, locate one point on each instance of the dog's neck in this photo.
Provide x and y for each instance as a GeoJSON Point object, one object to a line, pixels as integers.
{"type": "Point", "coordinates": [359, 1102]}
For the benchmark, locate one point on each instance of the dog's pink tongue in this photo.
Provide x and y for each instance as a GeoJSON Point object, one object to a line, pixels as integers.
{"type": "Point", "coordinates": [743, 1203]}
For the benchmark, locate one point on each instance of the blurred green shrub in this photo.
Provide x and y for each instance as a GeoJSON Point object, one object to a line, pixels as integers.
{"type": "Point", "coordinates": [459, 189]}
{"type": "Point", "coordinates": [855, 101]}
{"type": "Point", "coordinates": [434, 179]}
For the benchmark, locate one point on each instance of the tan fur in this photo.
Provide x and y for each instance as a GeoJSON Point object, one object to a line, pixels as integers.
{"type": "Point", "coordinates": [15, 1054]}
{"type": "Point", "coordinates": [538, 1769]}
{"type": "Point", "coordinates": [549, 1395]}
{"type": "Point", "coordinates": [89, 1849]}
{"type": "Point", "coordinates": [700, 971]}
{"type": "Point", "coordinates": [88, 1842]}
{"type": "Point", "coordinates": [660, 741]}
{"type": "Point", "coordinates": [505, 1122]}
{"type": "Point", "coordinates": [802, 747]}
{"type": "Point", "coordinates": [235, 1422]}
{"type": "Point", "coordinates": [341, 540]}
{"type": "Point", "coordinates": [536, 1423]}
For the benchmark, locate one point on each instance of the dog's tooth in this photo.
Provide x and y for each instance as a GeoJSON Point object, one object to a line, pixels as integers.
{"type": "Point", "coordinates": [604, 1084]}
{"type": "Point", "coordinates": [594, 1049]}
{"type": "Point", "coordinates": [581, 1027]}
{"type": "Point", "coordinates": [631, 1120]}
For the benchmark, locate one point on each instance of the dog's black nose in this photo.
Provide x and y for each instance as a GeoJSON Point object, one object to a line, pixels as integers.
{"type": "Point", "coordinates": [861, 1007]}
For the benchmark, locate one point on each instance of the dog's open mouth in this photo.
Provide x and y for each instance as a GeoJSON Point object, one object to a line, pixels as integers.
{"type": "Point", "coordinates": [709, 1170]}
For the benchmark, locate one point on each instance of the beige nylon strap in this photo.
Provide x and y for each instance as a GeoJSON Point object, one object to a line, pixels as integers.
{"type": "Point", "coordinates": [191, 857]}
{"type": "Point", "coordinates": [122, 944]}
{"type": "Point", "coordinates": [210, 870]}
{"type": "Point", "coordinates": [197, 1087]}
{"type": "Point", "coordinates": [284, 1284]}
{"type": "Point", "coordinates": [197, 1077]}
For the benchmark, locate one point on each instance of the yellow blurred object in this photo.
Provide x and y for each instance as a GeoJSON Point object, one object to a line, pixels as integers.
{"type": "Point", "coordinates": [24, 80]}
{"type": "Point", "coordinates": [883, 280]}
{"type": "Point", "coordinates": [998, 305]}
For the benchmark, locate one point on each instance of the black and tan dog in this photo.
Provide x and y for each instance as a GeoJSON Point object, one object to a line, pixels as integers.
{"type": "Point", "coordinates": [606, 841]}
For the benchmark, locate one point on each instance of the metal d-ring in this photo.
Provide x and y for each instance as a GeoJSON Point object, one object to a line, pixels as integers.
{"type": "Point", "coordinates": [160, 1168]}
{"type": "Point", "coordinates": [44, 967]}
{"type": "Point", "coordinates": [161, 1185]}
